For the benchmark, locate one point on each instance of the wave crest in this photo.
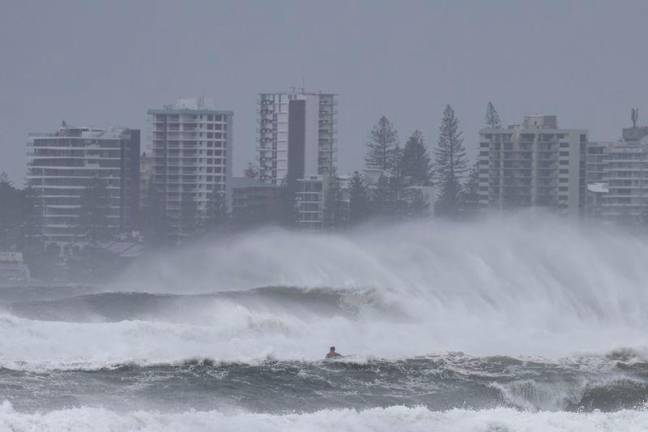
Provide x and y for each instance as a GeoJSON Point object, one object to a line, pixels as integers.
{"type": "Point", "coordinates": [417, 419]}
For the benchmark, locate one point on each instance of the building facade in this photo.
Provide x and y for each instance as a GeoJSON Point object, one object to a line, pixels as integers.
{"type": "Point", "coordinates": [533, 164]}
{"type": "Point", "coordinates": [191, 147]}
{"type": "Point", "coordinates": [322, 202]}
{"type": "Point", "coordinates": [296, 135]}
{"type": "Point", "coordinates": [255, 203]}
{"type": "Point", "coordinates": [13, 268]}
{"type": "Point", "coordinates": [617, 178]}
{"type": "Point", "coordinates": [61, 165]}
{"type": "Point", "coordinates": [310, 201]}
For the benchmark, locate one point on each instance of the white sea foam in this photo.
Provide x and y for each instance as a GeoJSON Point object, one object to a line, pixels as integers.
{"type": "Point", "coordinates": [529, 284]}
{"type": "Point", "coordinates": [390, 419]}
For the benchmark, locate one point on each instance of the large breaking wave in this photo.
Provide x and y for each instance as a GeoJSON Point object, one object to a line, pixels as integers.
{"type": "Point", "coordinates": [526, 312]}
{"type": "Point", "coordinates": [417, 419]}
{"type": "Point", "coordinates": [525, 285]}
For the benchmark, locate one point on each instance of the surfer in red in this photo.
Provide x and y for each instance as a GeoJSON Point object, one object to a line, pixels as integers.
{"type": "Point", "coordinates": [332, 353]}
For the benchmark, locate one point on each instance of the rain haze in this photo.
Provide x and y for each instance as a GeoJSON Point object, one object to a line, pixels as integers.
{"type": "Point", "coordinates": [312, 216]}
{"type": "Point", "coordinates": [105, 63]}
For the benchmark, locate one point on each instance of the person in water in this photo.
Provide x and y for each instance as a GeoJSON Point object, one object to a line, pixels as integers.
{"type": "Point", "coordinates": [332, 353]}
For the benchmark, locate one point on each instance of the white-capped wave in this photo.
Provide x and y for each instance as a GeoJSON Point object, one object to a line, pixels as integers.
{"type": "Point", "coordinates": [390, 419]}
{"type": "Point", "coordinates": [524, 285]}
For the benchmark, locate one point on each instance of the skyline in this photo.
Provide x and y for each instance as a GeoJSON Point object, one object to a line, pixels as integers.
{"type": "Point", "coordinates": [396, 62]}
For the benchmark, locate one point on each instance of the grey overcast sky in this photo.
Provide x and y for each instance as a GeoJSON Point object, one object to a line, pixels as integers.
{"type": "Point", "coordinates": [103, 63]}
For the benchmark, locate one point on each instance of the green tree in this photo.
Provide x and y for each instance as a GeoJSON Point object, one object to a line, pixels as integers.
{"type": "Point", "coordinates": [93, 212]}
{"type": "Point", "coordinates": [32, 219]}
{"type": "Point", "coordinates": [415, 164]}
{"type": "Point", "coordinates": [415, 202]}
{"type": "Point", "coordinates": [189, 218]}
{"type": "Point", "coordinates": [450, 164]}
{"type": "Point", "coordinates": [470, 196]}
{"type": "Point", "coordinates": [492, 117]}
{"type": "Point", "coordinates": [384, 200]}
{"type": "Point", "coordinates": [335, 208]}
{"type": "Point", "coordinates": [217, 215]}
{"type": "Point", "coordinates": [252, 171]}
{"type": "Point", "coordinates": [11, 213]}
{"type": "Point", "coordinates": [156, 223]}
{"type": "Point", "coordinates": [382, 143]}
{"type": "Point", "coordinates": [359, 202]}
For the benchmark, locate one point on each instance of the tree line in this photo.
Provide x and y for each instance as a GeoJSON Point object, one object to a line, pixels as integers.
{"type": "Point", "coordinates": [405, 174]}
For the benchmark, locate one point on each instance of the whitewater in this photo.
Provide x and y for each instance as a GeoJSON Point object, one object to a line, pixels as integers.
{"type": "Point", "coordinates": [514, 323]}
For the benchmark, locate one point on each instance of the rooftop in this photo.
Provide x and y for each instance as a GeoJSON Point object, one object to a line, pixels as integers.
{"type": "Point", "coordinates": [82, 132]}
{"type": "Point", "coordinates": [190, 105]}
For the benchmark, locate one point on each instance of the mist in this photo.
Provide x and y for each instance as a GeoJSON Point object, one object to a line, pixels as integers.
{"type": "Point", "coordinates": [486, 288]}
{"type": "Point", "coordinates": [351, 215]}
{"type": "Point", "coordinates": [579, 60]}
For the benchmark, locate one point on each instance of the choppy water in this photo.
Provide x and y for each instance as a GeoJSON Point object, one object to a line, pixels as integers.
{"type": "Point", "coordinates": [485, 327]}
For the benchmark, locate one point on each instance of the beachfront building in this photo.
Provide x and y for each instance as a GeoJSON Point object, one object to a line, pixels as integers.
{"type": "Point", "coordinates": [63, 164]}
{"type": "Point", "coordinates": [296, 135]}
{"type": "Point", "coordinates": [191, 147]}
{"type": "Point", "coordinates": [533, 164]}
{"type": "Point", "coordinates": [617, 176]}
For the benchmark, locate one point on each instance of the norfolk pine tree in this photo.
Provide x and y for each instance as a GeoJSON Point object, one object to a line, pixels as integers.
{"type": "Point", "coordinates": [416, 167]}
{"type": "Point", "coordinates": [492, 117]}
{"type": "Point", "coordinates": [383, 140]}
{"type": "Point", "coordinates": [359, 202]}
{"type": "Point", "coordinates": [93, 212]}
{"type": "Point", "coordinates": [450, 164]}
{"type": "Point", "coordinates": [470, 195]}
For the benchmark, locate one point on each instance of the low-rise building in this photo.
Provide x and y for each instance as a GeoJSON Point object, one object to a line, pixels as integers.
{"type": "Point", "coordinates": [310, 202]}
{"type": "Point", "coordinates": [255, 202]}
{"type": "Point", "coordinates": [13, 268]}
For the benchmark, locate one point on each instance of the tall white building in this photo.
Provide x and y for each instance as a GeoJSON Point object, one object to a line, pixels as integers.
{"type": "Point", "coordinates": [62, 164]}
{"type": "Point", "coordinates": [296, 135]}
{"type": "Point", "coordinates": [191, 146]}
{"type": "Point", "coordinates": [533, 164]}
{"type": "Point", "coordinates": [617, 177]}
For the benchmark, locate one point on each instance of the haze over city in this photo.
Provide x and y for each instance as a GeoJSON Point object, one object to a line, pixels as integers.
{"type": "Point", "coordinates": [313, 216]}
{"type": "Point", "coordinates": [105, 63]}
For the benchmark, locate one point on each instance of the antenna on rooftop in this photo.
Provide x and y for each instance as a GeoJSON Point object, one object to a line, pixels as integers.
{"type": "Point", "coordinates": [635, 116]}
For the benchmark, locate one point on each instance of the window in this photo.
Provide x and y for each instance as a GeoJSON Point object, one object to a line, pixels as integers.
{"type": "Point", "coordinates": [564, 153]}
{"type": "Point", "coordinates": [564, 145]}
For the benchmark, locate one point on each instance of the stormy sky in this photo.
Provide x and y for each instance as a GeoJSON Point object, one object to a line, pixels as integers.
{"type": "Point", "coordinates": [103, 63]}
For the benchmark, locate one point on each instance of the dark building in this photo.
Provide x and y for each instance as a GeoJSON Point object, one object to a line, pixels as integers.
{"type": "Point", "coordinates": [255, 203]}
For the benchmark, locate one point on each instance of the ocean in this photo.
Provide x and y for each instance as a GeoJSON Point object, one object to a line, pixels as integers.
{"type": "Point", "coordinates": [522, 323]}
